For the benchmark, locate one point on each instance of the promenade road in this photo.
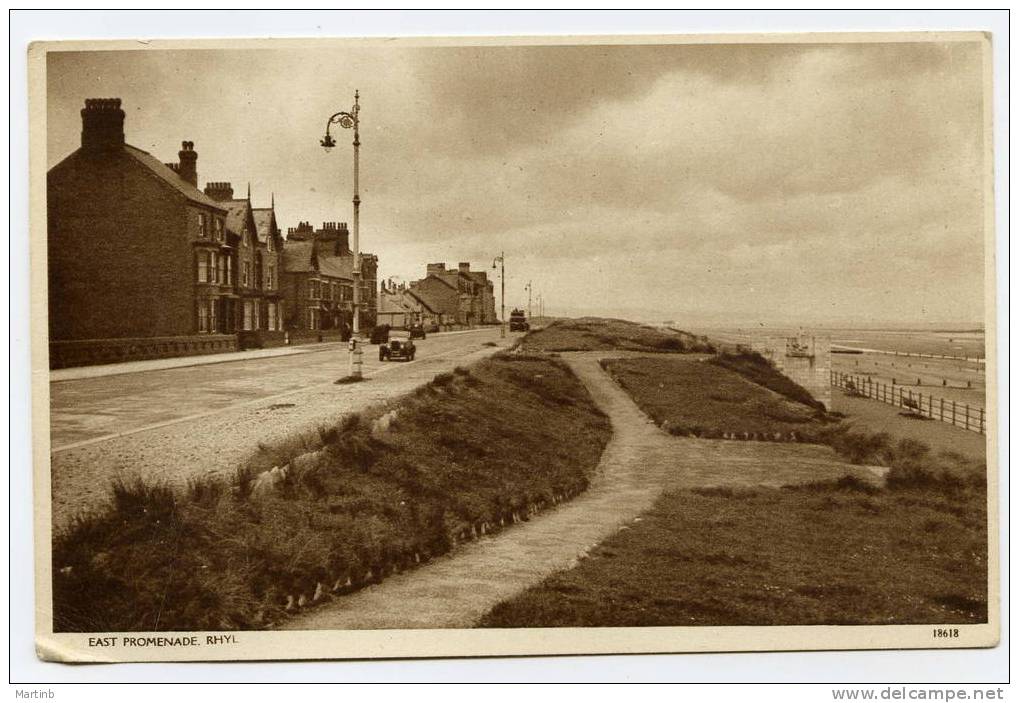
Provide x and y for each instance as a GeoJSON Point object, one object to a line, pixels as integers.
{"type": "Point", "coordinates": [172, 424]}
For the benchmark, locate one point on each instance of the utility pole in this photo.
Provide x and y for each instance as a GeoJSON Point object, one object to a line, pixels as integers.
{"type": "Point", "coordinates": [501, 259]}
{"type": "Point", "coordinates": [528, 287]}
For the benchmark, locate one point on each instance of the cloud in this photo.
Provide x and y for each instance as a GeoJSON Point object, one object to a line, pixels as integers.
{"type": "Point", "coordinates": [762, 176]}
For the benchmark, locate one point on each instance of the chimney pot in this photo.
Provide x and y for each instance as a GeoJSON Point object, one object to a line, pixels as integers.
{"type": "Point", "coordinates": [188, 163]}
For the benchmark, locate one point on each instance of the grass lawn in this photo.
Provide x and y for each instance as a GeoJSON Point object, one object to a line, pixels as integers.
{"type": "Point", "coordinates": [792, 556]}
{"type": "Point", "coordinates": [835, 552]}
{"type": "Point", "coordinates": [686, 396]}
{"type": "Point", "coordinates": [603, 334]}
{"type": "Point", "coordinates": [334, 510]}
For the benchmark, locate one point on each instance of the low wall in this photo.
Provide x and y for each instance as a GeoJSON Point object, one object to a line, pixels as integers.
{"type": "Point", "coordinates": [806, 359]}
{"type": "Point", "coordinates": [312, 336]}
{"type": "Point", "coordinates": [90, 352]}
{"type": "Point", "coordinates": [261, 339]}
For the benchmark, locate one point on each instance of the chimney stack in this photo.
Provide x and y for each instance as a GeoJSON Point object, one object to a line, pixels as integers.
{"type": "Point", "coordinates": [343, 240]}
{"type": "Point", "coordinates": [102, 124]}
{"type": "Point", "coordinates": [219, 190]}
{"type": "Point", "coordinates": [435, 268]}
{"type": "Point", "coordinates": [464, 266]}
{"type": "Point", "coordinates": [188, 163]}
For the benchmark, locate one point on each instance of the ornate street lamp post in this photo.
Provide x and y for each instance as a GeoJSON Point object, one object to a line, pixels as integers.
{"type": "Point", "coordinates": [350, 120]}
{"type": "Point", "coordinates": [501, 259]}
{"type": "Point", "coordinates": [528, 288]}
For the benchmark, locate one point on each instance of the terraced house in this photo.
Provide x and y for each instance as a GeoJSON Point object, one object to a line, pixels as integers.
{"type": "Point", "coordinates": [458, 296]}
{"type": "Point", "coordinates": [143, 264]}
{"type": "Point", "coordinates": [318, 282]}
{"type": "Point", "coordinates": [252, 307]}
{"type": "Point", "coordinates": [127, 235]}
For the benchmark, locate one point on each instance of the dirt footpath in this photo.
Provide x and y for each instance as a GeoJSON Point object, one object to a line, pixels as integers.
{"type": "Point", "coordinates": [455, 591]}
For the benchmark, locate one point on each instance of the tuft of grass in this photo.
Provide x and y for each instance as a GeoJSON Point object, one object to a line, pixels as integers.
{"type": "Point", "coordinates": [349, 379]}
{"type": "Point", "coordinates": [505, 436]}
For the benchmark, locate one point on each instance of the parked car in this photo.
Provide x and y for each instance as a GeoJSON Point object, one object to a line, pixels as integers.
{"type": "Point", "coordinates": [398, 346]}
{"type": "Point", "coordinates": [417, 332]}
{"type": "Point", "coordinates": [379, 335]}
{"type": "Point", "coordinates": [518, 321]}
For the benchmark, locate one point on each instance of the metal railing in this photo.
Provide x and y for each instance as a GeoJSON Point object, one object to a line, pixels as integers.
{"type": "Point", "coordinates": [950, 411]}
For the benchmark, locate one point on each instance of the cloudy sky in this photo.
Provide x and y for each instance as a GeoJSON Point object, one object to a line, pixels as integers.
{"type": "Point", "coordinates": [710, 184]}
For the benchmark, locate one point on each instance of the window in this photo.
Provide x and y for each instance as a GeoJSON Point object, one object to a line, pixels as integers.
{"type": "Point", "coordinates": [246, 274]}
{"type": "Point", "coordinates": [313, 290]}
{"type": "Point", "coordinates": [249, 312]}
{"type": "Point", "coordinates": [202, 224]}
{"type": "Point", "coordinates": [270, 280]}
{"type": "Point", "coordinates": [268, 242]}
{"type": "Point", "coordinates": [313, 318]}
{"type": "Point", "coordinates": [244, 237]}
{"type": "Point", "coordinates": [229, 270]}
{"type": "Point", "coordinates": [213, 267]}
{"type": "Point", "coordinates": [270, 316]}
{"type": "Point", "coordinates": [217, 229]}
{"type": "Point", "coordinates": [224, 261]}
{"type": "Point", "coordinates": [255, 317]}
{"type": "Point", "coordinates": [203, 267]}
{"type": "Point", "coordinates": [203, 316]}
{"type": "Point", "coordinates": [213, 304]}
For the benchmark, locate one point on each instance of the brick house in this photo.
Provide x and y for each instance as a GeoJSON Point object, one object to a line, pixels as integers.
{"type": "Point", "coordinates": [135, 251]}
{"type": "Point", "coordinates": [465, 299]}
{"type": "Point", "coordinates": [318, 266]}
{"type": "Point", "coordinates": [253, 309]}
{"type": "Point", "coordinates": [400, 307]}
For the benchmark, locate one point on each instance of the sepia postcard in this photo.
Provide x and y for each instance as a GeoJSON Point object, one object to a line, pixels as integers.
{"type": "Point", "coordinates": [434, 347]}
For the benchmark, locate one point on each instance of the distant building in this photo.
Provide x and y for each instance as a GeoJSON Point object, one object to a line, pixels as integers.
{"type": "Point", "coordinates": [320, 262]}
{"type": "Point", "coordinates": [460, 296]}
{"type": "Point", "coordinates": [399, 306]}
{"type": "Point", "coordinates": [130, 241]}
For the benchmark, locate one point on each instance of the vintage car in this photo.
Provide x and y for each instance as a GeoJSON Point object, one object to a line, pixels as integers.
{"type": "Point", "coordinates": [417, 332]}
{"type": "Point", "coordinates": [398, 346]}
{"type": "Point", "coordinates": [518, 321]}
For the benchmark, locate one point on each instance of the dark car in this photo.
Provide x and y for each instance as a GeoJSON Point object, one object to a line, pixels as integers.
{"type": "Point", "coordinates": [417, 332]}
{"type": "Point", "coordinates": [518, 321]}
{"type": "Point", "coordinates": [399, 346]}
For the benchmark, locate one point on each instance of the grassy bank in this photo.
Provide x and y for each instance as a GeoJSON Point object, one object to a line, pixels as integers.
{"type": "Point", "coordinates": [472, 452]}
{"type": "Point", "coordinates": [603, 334]}
{"type": "Point", "coordinates": [820, 554]}
{"type": "Point", "coordinates": [833, 552]}
{"type": "Point", "coordinates": [691, 397]}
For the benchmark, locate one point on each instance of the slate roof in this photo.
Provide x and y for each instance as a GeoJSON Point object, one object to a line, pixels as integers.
{"type": "Point", "coordinates": [428, 305]}
{"type": "Point", "coordinates": [236, 215]}
{"type": "Point", "coordinates": [297, 256]}
{"type": "Point", "coordinates": [263, 222]}
{"type": "Point", "coordinates": [171, 177]}
{"type": "Point", "coordinates": [337, 266]}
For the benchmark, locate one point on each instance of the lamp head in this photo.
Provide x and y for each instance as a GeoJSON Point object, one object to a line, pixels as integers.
{"type": "Point", "coordinates": [327, 142]}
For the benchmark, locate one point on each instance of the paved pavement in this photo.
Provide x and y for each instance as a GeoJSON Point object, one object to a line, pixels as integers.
{"type": "Point", "coordinates": [640, 461]}
{"type": "Point", "coordinates": [178, 423]}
